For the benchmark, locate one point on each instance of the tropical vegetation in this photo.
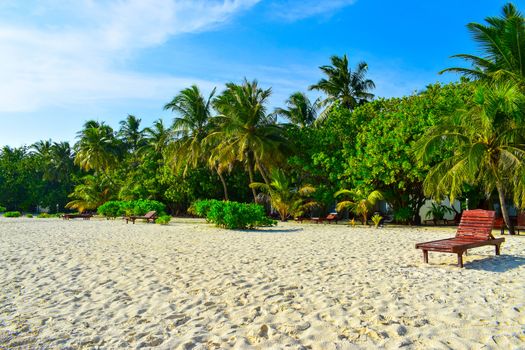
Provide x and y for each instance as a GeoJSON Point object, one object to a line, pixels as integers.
{"type": "Point", "coordinates": [461, 140]}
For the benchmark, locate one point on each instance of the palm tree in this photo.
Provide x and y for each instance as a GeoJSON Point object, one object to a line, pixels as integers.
{"type": "Point", "coordinates": [299, 110]}
{"type": "Point", "coordinates": [503, 41]}
{"type": "Point", "coordinates": [487, 142]}
{"type": "Point", "coordinates": [361, 204]}
{"type": "Point", "coordinates": [90, 194]}
{"type": "Point", "coordinates": [191, 128]}
{"type": "Point", "coordinates": [130, 133]}
{"type": "Point", "coordinates": [244, 132]}
{"type": "Point", "coordinates": [285, 198]}
{"type": "Point", "coordinates": [350, 89]}
{"type": "Point", "coordinates": [157, 139]}
{"type": "Point", "coordinates": [97, 147]}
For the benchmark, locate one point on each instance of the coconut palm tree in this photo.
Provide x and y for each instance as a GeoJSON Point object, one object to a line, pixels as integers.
{"type": "Point", "coordinates": [349, 88]}
{"type": "Point", "coordinates": [190, 129]}
{"type": "Point", "coordinates": [93, 192]}
{"type": "Point", "coordinates": [156, 138]}
{"type": "Point", "coordinates": [299, 110]}
{"type": "Point", "coordinates": [360, 203]}
{"type": "Point", "coordinates": [285, 198]}
{"type": "Point", "coordinates": [244, 132]}
{"type": "Point", "coordinates": [130, 133]}
{"type": "Point", "coordinates": [97, 148]}
{"type": "Point", "coordinates": [487, 147]}
{"type": "Point", "coordinates": [502, 40]}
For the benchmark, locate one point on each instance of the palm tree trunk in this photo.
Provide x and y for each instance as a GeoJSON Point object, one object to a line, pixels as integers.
{"type": "Point", "coordinates": [224, 187]}
{"type": "Point", "coordinates": [262, 171]}
{"type": "Point", "coordinates": [250, 174]}
{"type": "Point", "coordinates": [504, 212]}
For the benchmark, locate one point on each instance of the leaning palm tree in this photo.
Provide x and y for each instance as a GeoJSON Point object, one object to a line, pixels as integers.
{"type": "Point", "coordinates": [360, 203]}
{"type": "Point", "coordinates": [244, 132]}
{"type": "Point", "coordinates": [299, 110]}
{"type": "Point", "coordinates": [487, 147]}
{"type": "Point", "coordinates": [285, 198]}
{"type": "Point", "coordinates": [502, 41]}
{"type": "Point", "coordinates": [349, 88]}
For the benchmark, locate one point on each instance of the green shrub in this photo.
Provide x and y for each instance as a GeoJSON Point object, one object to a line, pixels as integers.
{"type": "Point", "coordinates": [163, 220]}
{"type": "Point", "coordinates": [2, 209]}
{"type": "Point", "coordinates": [233, 215]}
{"type": "Point", "coordinates": [110, 209]}
{"type": "Point", "coordinates": [29, 216]}
{"type": "Point", "coordinates": [44, 216]}
{"type": "Point", "coordinates": [12, 214]}
{"type": "Point", "coordinates": [403, 215]}
{"type": "Point", "coordinates": [376, 219]}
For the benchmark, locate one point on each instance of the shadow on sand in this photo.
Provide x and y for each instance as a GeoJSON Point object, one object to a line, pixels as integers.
{"type": "Point", "coordinates": [499, 263]}
{"type": "Point", "coordinates": [274, 230]}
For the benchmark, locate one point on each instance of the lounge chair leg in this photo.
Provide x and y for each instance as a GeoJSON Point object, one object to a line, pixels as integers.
{"type": "Point", "coordinates": [425, 256]}
{"type": "Point", "coordinates": [460, 259]}
{"type": "Point", "coordinates": [497, 249]}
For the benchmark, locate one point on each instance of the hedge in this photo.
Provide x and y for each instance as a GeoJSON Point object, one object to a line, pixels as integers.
{"type": "Point", "coordinates": [232, 215]}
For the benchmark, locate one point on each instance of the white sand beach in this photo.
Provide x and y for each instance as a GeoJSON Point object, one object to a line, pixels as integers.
{"type": "Point", "coordinates": [104, 284]}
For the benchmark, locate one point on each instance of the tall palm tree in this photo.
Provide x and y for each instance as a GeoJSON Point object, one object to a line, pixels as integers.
{"type": "Point", "coordinates": [487, 141]}
{"type": "Point", "coordinates": [360, 203]}
{"type": "Point", "coordinates": [502, 40]}
{"type": "Point", "coordinates": [97, 147]}
{"type": "Point", "coordinates": [349, 88]}
{"type": "Point", "coordinates": [299, 110]}
{"type": "Point", "coordinates": [284, 197]}
{"type": "Point", "coordinates": [190, 128]}
{"type": "Point", "coordinates": [157, 138]}
{"type": "Point", "coordinates": [244, 132]}
{"type": "Point", "coordinates": [130, 133]}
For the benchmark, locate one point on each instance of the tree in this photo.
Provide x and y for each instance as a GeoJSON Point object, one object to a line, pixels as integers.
{"type": "Point", "coordinates": [285, 198]}
{"type": "Point", "coordinates": [299, 110]}
{"type": "Point", "coordinates": [487, 140]}
{"type": "Point", "coordinates": [130, 133]}
{"type": "Point", "coordinates": [361, 204]}
{"type": "Point", "coordinates": [97, 148]}
{"type": "Point", "coordinates": [244, 132]}
{"type": "Point", "coordinates": [502, 40]}
{"type": "Point", "coordinates": [341, 85]}
{"type": "Point", "coordinates": [90, 194]}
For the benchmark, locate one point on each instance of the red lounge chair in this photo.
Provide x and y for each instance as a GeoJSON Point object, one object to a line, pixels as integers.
{"type": "Point", "coordinates": [149, 217]}
{"type": "Point", "coordinates": [474, 230]}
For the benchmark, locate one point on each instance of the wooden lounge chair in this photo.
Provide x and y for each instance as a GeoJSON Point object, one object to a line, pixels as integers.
{"type": "Point", "coordinates": [149, 217]}
{"type": "Point", "coordinates": [474, 230]}
{"type": "Point", "coordinates": [330, 218]}
{"type": "Point", "coordinates": [84, 216]}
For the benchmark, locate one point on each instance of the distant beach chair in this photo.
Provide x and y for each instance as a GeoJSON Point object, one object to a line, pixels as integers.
{"type": "Point", "coordinates": [150, 216]}
{"type": "Point", "coordinates": [84, 216]}
{"type": "Point", "coordinates": [474, 230]}
{"type": "Point", "coordinates": [330, 218]}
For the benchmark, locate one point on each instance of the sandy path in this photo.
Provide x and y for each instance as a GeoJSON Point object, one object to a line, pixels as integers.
{"type": "Point", "coordinates": [89, 284]}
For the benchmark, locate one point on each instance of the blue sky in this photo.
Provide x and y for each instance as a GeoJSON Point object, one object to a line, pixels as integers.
{"type": "Point", "coordinates": [64, 62]}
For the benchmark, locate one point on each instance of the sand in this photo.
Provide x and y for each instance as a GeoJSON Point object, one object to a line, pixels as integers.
{"type": "Point", "coordinates": [104, 284]}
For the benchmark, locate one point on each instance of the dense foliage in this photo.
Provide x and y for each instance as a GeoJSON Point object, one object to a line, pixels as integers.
{"type": "Point", "coordinates": [232, 215]}
{"type": "Point", "coordinates": [230, 146]}
{"type": "Point", "coordinates": [112, 209]}
{"type": "Point", "coordinates": [12, 214]}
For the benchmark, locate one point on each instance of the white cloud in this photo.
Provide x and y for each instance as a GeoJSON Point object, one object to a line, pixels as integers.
{"type": "Point", "coordinates": [62, 52]}
{"type": "Point", "coordinates": [294, 10]}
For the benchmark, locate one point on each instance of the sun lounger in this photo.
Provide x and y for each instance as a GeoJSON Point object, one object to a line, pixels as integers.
{"type": "Point", "coordinates": [330, 218]}
{"type": "Point", "coordinates": [84, 216]}
{"type": "Point", "coordinates": [149, 217]}
{"type": "Point", "coordinates": [474, 230]}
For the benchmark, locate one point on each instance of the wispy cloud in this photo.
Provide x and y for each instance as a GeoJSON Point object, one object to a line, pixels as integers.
{"type": "Point", "coordinates": [62, 52]}
{"type": "Point", "coordinates": [294, 10]}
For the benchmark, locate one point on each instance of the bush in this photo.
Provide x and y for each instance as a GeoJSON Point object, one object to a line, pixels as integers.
{"type": "Point", "coordinates": [2, 209]}
{"type": "Point", "coordinates": [45, 216]}
{"type": "Point", "coordinates": [232, 215]}
{"type": "Point", "coordinates": [112, 209]}
{"type": "Point", "coordinates": [376, 219]}
{"type": "Point", "coordinates": [12, 214]}
{"type": "Point", "coordinates": [163, 220]}
{"type": "Point", "coordinates": [29, 216]}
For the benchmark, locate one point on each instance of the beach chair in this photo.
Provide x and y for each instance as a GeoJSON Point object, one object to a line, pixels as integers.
{"type": "Point", "coordinates": [474, 230]}
{"type": "Point", "coordinates": [149, 217]}
{"type": "Point", "coordinates": [520, 224]}
{"type": "Point", "coordinates": [84, 216]}
{"type": "Point", "coordinates": [330, 218]}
